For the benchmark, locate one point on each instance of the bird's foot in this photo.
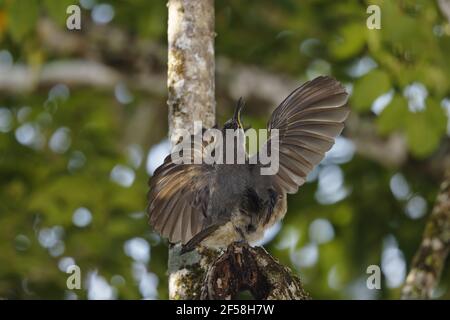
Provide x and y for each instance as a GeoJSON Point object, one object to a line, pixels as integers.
{"type": "Point", "coordinates": [240, 244]}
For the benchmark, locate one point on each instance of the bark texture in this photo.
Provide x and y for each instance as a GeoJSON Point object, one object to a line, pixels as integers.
{"type": "Point", "coordinates": [190, 65]}
{"type": "Point", "coordinates": [243, 268]}
{"type": "Point", "coordinates": [430, 258]}
{"type": "Point", "coordinates": [207, 274]}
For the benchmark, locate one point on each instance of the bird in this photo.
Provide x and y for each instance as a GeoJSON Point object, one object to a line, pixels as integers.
{"type": "Point", "coordinates": [217, 204]}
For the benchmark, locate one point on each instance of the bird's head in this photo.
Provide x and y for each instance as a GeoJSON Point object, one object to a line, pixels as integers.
{"type": "Point", "coordinates": [235, 122]}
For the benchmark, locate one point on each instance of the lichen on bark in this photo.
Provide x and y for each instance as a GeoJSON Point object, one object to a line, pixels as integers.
{"type": "Point", "coordinates": [191, 65]}
{"type": "Point", "coordinates": [429, 259]}
{"type": "Point", "coordinates": [210, 274]}
{"type": "Point", "coordinates": [187, 271]}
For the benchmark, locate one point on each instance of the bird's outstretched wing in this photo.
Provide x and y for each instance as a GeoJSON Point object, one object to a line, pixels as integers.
{"type": "Point", "coordinates": [308, 121]}
{"type": "Point", "coordinates": [179, 194]}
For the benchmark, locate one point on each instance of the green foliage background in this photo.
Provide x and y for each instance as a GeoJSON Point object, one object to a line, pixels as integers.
{"type": "Point", "coordinates": [294, 38]}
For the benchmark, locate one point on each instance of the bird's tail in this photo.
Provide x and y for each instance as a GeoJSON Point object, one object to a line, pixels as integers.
{"type": "Point", "coordinates": [199, 237]}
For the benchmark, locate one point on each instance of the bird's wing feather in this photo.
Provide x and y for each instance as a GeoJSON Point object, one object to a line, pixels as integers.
{"type": "Point", "coordinates": [308, 121]}
{"type": "Point", "coordinates": [179, 195]}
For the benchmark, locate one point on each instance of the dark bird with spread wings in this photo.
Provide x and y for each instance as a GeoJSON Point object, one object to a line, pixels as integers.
{"type": "Point", "coordinates": [217, 204]}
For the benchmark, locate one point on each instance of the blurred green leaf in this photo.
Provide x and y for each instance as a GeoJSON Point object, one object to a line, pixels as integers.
{"type": "Point", "coordinates": [368, 88]}
{"type": "Point", "coordinates": [425, 129]}
{"type": "Point", "coordinates": [57, 10]}
{"type": "Point", "coordinates": [350, 42]}
{"type": "Point", "coordinates": [22, 18]}
{"type": "Point", "coordinates": [393, 116]}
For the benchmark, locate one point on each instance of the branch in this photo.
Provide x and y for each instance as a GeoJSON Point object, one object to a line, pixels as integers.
{"type": "Point", "coordinates": [22, 78]}
{"type": "Point", "coordinates": [242, 268]}
{"type": "Point", "coordinates": [430, 258]}
{"type": "Point", "coordinates": [213, 274]}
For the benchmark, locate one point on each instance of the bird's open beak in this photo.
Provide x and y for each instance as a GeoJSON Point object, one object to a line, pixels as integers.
{"type": "Point", "coordinates": [237, 112]}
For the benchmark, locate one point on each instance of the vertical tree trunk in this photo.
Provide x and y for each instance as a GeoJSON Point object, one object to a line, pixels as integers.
{"type": "Point", "coordinates": [190, 82]}
{"type": "Point", "coordinates": [191, 66]}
